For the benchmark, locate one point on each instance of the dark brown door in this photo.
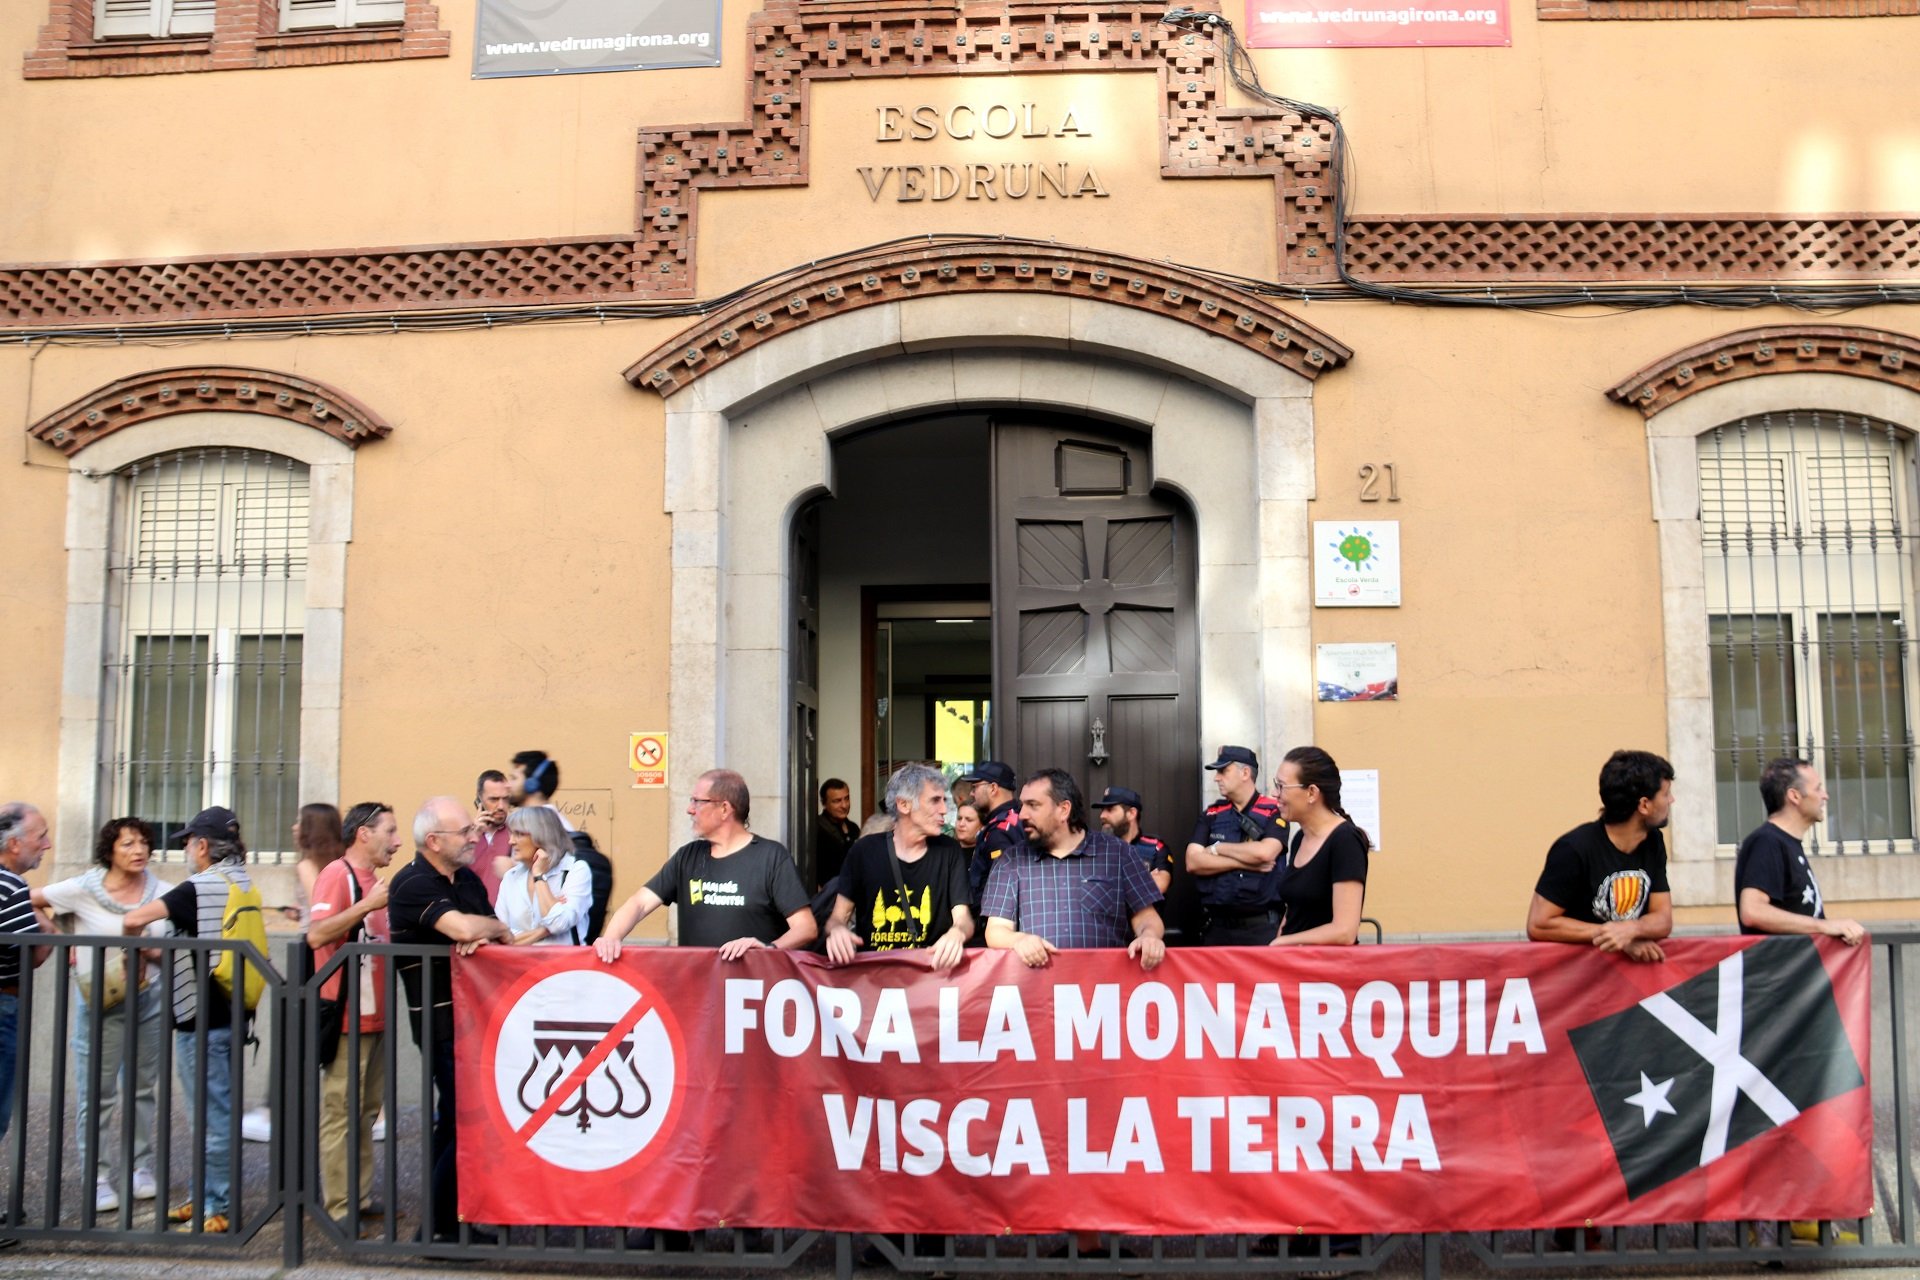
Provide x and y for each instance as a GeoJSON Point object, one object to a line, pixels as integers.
{"type": "Point", "coordinates": [1095, 648]}
{"type": "Point", "coordinates": [803, 652]}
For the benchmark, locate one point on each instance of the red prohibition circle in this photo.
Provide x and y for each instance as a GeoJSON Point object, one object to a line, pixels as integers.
{"type": "Point", "coordinates": [510, 999]}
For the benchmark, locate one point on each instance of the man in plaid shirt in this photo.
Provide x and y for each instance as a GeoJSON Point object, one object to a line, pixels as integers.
{"type": "Point", "coordinates": [1067, 886]}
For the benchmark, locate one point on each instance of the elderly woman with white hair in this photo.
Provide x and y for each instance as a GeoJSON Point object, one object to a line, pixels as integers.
{"type": "Point", "coordinates": [547, 894]}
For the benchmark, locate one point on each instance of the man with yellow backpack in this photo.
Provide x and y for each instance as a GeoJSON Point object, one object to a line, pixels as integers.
{"type": "Point", "coordinates": [212, 994]}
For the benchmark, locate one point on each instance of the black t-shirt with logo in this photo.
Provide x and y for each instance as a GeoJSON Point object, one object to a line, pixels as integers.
{"type": "Point", "coordinates": [935, 882]}
{"type": "Point", "coordinates": [1591, 880]}
{"type": "Point", "coordinates": [1775, 863]}
{"type": "Point", "coordinates": [1306, 893]}
{"type": "Point", "coordinates": [747, 894]}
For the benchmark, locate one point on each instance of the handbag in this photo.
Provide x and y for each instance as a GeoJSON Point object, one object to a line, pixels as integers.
{"type": "Point", "coordinates": [113, 979]}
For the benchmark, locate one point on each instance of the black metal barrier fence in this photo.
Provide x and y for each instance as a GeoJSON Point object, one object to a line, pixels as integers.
{"type": "Point", "coordinates": [386, 1207]}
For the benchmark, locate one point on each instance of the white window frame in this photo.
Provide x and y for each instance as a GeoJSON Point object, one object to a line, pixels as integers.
{"type": "Point", "coordinates": [320, 15]}
{"type": "Point", "coordinates": [87, 720]}
{"type": "Point", "coordinates": [1697, 872]}
{"type": "Point", "coordinates": [152, 19]}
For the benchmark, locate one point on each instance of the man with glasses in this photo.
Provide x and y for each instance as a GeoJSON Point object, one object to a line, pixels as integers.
{"type": "Point", "coordinates": [23, 842]}
{"type": "Point", "coordinates": [433, 900]}
{"type": "Point", "coordinates": [1234, 853]}
{"type": "Point", "coordinates": [736, 890]}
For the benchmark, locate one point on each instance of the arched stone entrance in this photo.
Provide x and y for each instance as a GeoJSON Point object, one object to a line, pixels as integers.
{"type": "Point", "coordinates": [748, 442]}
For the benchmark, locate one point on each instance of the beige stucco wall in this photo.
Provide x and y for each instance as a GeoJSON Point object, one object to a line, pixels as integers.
{"type": "Point", "coordinates": [1574, 117]}
{"type": "Point", "coordinates": [1529, 637]}
{"type": "Point", "coordinates": [508, 582]}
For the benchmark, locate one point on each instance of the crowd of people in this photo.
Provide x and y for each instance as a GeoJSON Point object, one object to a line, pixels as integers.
{"type": "Point", "coordinates": [1026, 866]}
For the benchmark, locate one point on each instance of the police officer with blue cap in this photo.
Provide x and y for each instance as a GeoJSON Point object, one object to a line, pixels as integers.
{"type": "Point", "coordinates": [1120, 816]}
{"type": "Point", "coordinates": [1235, 855]}
{"type": "Point", "coordinates": [995, 785]}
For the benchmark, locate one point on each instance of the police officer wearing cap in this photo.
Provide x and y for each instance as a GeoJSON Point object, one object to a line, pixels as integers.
{"type": "Point", "coordinates": [994, 787]}
{"type": "Point", "coordinates": [1120, 816]}
{"type": "Point", "coordinates": [1235, 855]}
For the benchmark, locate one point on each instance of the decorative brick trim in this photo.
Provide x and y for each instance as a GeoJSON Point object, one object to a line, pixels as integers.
{"type": "Point", "coordinates": [1653, 10]}
{"type": "Point", "coordinates": [160, 393]}
{"type": "Point", "coordinates": [261, 285]}
{"type": "Point", "coordinates": [1753, 353]}
{"type": "Point", "coordinates": [1596, 247]}
{"type": "Point", "coordinates": [246, 35]}
{"type": "Point", "coordinates": [796, 42]}
{"type": "Point", "coordinates": [894, 277]}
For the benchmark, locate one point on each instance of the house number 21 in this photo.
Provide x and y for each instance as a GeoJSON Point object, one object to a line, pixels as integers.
{"type": "Point", "coordinates": [1370, 476]}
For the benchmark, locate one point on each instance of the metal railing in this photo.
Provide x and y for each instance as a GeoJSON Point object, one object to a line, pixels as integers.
{"type": "Point", "coordinates": [49, 1194]}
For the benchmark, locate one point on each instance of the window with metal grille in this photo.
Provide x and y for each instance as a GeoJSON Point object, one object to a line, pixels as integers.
{"type": "Point", "coordinates": [1809, 580]}
{"type": "Point", "coordinates": [209, 574]}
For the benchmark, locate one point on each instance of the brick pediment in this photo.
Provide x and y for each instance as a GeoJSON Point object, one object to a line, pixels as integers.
{"type": "Point", "coordinates": [1812, 348]}
{"type": "Point", "coordinates": [147, 397]}
{"type": "Point", "coordinates": [985, 267]}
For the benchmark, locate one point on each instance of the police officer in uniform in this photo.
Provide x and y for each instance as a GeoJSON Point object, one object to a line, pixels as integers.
{"type": "Point", "coordinates": [994, 788]}
{"type": "Point", "coordinates": [1120, 815]}
{"type": "Point", "coordinates": [1235, 855]}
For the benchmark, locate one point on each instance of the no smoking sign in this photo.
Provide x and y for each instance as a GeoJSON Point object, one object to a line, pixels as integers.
{"type": "Point", "coordinates": [647, 757]}
{"type": "Point", "coordinates": [585, 1071]}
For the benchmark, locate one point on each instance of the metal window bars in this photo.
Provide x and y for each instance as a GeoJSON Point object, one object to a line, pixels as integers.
{"type": "Point", "coordinates": [208, 605]}
{"type": "Point", "coordinates": [1809, 587]}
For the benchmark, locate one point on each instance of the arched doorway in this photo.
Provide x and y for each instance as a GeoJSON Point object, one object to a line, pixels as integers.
{"type": "Point", "coordinates": [1008, 584]}
{"type": "Point", "coordinates": [750, 442]}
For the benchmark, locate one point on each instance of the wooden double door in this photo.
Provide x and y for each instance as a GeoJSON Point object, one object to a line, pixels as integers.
{"type": "Point", "coordinates": [1096, 649]}
{"type": "Point", "coordinates": [1095, 646]}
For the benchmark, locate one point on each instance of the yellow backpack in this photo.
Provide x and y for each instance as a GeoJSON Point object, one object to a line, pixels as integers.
{"type": "Point", "coordinates": [242, 921]}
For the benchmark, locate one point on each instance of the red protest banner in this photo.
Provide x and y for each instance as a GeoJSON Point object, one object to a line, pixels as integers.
{"type": "Point", "coordinates": [1397, 1089]}
{"type": "Point", "coordinates": [1297, 24]}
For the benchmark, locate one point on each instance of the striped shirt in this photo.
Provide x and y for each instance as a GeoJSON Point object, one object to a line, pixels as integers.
{"type": "Point", "coordinates": [16, 917]}
{"type": "Point", "coordinates": [197, 908]}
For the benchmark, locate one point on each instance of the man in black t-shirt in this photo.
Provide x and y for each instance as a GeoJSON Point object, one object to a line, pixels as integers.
{"type": "Point", "coordinates": [1120, 816]}
{"type": "Point", "coordinates": [905, 888]}
{"type": "Point", "coordinates": [433, 900]}
{"type": "Point", "coordinates": [834, 831]}
{"type": "Point", "coordinates": [736, 891]}
{"type": "Point", "coordinates": [1605, 882]}
{"type": "Point", "coordinates": [1773, 885]}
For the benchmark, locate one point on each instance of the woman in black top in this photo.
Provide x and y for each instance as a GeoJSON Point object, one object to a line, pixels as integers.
{"type": "Point", "coordinates": [1324, 884]}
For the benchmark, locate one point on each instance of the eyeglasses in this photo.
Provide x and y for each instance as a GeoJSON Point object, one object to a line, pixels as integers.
{"type": "Point", "coordinates": [463, 832]}
{"type": "Point", "coordinates": [705, 800]}
{"type": "Point", "coordinates": [1282, 786]}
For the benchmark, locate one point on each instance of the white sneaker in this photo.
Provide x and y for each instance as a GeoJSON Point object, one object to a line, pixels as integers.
{"type": "Point", "coordinates": [105, 1198]}
{"type": "Point", "coordinates": [257, 1125]}
{"type": "Point", "coordinates": [380, 1127]}
{"type": "Point", "coordinates": [143, 1185]}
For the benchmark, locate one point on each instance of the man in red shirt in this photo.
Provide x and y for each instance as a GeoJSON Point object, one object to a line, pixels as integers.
{"type": "Point", "coordinates": [349, 905]}
{"type": "Point", "coordinates": [492, 801]}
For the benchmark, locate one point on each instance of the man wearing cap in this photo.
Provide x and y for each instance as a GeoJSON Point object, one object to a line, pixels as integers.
{"type": "Point", "coordinates": [1234, 853]}
{"type": "Point", "coordinates": [196, 908]}
{"type": "Point", "coordinates": [994, 788]}
{"type": "Point", "coordinates": [1120, 816]}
